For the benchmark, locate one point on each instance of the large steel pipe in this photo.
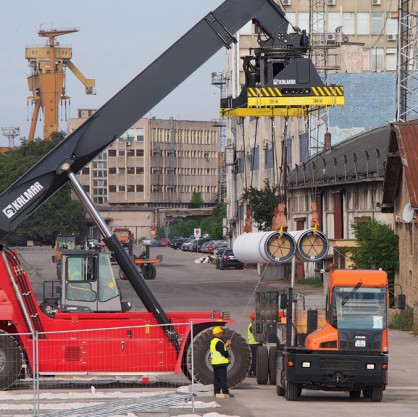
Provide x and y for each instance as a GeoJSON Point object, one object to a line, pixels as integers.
{"type": "Point", "coordinates": [311, 245]}
{"type": "Point", "coordinates": [264, 247]}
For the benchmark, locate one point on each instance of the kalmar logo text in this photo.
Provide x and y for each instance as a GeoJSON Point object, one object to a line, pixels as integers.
{"type": "Point", "coordinates": [22, 200]}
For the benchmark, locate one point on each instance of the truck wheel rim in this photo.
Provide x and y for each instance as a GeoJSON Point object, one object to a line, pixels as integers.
{"type": "Point", "coordinates": [231, 360]}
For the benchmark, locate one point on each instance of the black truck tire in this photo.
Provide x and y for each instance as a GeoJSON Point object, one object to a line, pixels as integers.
{"type": "Point", "coordinates": [10, 360]}
{"type": "Point", "coordinates": [376, 394]}
{"type": "Point", "coordinates": [272, 364]}
{"type": "Point", "coordinates": [240, 358]}
{"type": "Point", "coordinates": [148, 271]}
{"type": "Point", "coordinates": [292, 391]}
{"type": "Point", "coordinates": [262, 368]}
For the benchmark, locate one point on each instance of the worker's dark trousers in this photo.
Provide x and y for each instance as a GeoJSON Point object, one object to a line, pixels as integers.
{"type": "Point", "coordinates": [253, 358]}
{"type": "Point", "coordinates": [219, 379]}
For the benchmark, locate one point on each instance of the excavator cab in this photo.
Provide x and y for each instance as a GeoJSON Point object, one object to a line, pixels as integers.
{"type": "Point", "coordinates": [87, 284]}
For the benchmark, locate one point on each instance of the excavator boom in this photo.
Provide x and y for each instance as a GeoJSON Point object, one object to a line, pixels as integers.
{"type": "Point", "coordinates": [131, 103]}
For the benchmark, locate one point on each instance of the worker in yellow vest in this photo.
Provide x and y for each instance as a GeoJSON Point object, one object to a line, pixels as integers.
{"type": "Point", "coordinates": [253, 344]}
{"type": "Point", "coordinates": [220, 359]}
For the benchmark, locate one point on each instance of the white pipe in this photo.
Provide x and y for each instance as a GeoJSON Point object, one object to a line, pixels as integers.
{"type": "Point", "coordinates": [310, 246]}
{"type": "Point", "coordinates": [264, 247]}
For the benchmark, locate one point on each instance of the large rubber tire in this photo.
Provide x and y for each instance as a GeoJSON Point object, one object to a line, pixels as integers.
{"type": "Point", "coordinates": [148, 271]}
{"type": "Point", "coordinates": [272, 364]}
{"type": "Point", "coordinates": [240, 358]}
{"type": "Point", "coordinates": [376, 394]}
{"type": "Point", "coordinates": [262, 368]}
{"type": "Point", "coordinates": [292, 391]}
{"type": "Point", "coordinates": [10, 360]}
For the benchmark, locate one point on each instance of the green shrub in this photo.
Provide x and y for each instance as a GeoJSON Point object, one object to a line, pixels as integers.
{"type": "Point", "coordinates": [404, 320]}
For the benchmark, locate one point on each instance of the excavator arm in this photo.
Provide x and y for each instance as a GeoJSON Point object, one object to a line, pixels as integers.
{"type": "Point", "coordinates": [131, 103]}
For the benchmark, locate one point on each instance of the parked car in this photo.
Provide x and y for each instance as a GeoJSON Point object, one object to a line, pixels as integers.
{"type": "Point", "coordinates": [164, 242]}
{"type": "Point", "coordinates": [197, 244]}
{"type": "Point", "coordinates": [177, 242]}
{"type": "Point", "coordinates": [228, 260]}
{"type": "Point", "coordinates": [185, 245]}
{"type": "Point", "coordinates": [220, 244]}
{"type": "Point", "coordinates": [209, 247]}
{"type": "Point", "coordinates": [219, 254]}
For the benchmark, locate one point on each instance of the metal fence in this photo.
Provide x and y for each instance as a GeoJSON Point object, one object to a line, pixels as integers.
{"type": "Point", "coordinates": [94, 372]}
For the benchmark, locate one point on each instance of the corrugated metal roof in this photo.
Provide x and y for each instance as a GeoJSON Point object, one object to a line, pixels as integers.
{"type": "Point", "coordinates": [407, 138]}
{"type": "Point", "coordinates": [359, 158]}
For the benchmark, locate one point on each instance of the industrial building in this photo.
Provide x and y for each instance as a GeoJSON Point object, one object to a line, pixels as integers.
{"type": "Point", "coordinates": [157, 164]}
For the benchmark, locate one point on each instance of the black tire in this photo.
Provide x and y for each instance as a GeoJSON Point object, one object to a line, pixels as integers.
{"type": "Point", "coordinates": [10, 360]}
{"type": "Point", "coordinates": [272, 365]}
{"type": "Point", "coordinates": [148, 271]}
{"type": "Point", "coordinates": [376, 394]}
{"type": "Point", "coordinates": [240, 358]}
{"type": "Point", "coordinates": [367, 393]}
{"type": "Point", "coordinates": [354, 394]}
{"type": "Point", "coordinates": [122, 275]}
{"type": "Point", "coordinates": [292, 391]}
{"type": "Point", "coordinates": [262, 368]}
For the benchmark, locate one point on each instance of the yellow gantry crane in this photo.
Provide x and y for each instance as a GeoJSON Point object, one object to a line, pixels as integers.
{"type": "Point", "coordinates": [47, 79]}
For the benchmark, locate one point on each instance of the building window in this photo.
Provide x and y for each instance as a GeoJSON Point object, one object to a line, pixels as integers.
{"type": "Point", "coordinates": [131, 188]}
{"type": "Point", "coordinates": [112, 152]}
{"type": "Point", "coordinates": [269, 158]}
{"type": "Point", "coordinates": [140, 135]}
{"type": "Point", "coordinates": [140, 188]}
{"type": "Point", "coordinates": [376, 59]}
{"type": "Point", "coordinates": [363, 24]}
{"type": "Point", "coordinates": [303, 147]}
{"type": "Point", "coordinates": [85, 171]}
{"type": "Point", "coordinates": [139, 170]}
{"type": "Point", "coordinates": [304, 21]}
{"type": "Point", "coordinates": [366, 60]}
{"type": "Point", "coordinates": [377, 23]}
{"type": "Point", "coordinates": [392, 26]}
{"type": "Point", "coordinates": [122, 171]}
{"type": "Point", "coordinates": [86, 188]}
{"type": "Point", "coordinates": [121, 188]}
{"type": "Point", "coordinates": [333, 21]}
{"type": "Point", "coordinates": [348, 24]}
{"type": "Point", "coordinates": [121, 152]}
{"type": "Point", "coordinates": [139, 152]}
{"type": "Point", "coordinates": [130, 170]}
{"type": "Point", "coordinates": [112, 170]}
{"type": "Point", "coordinates": [130, 135]}
{"type": "Point", "coordinates": [112, 188]}
{"type": "Point", "coordinates": [391, 59]}
{"type": "Point", "coordinates": [130, 152]}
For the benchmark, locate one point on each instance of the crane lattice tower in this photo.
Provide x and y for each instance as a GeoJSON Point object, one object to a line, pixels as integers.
{"type": "Point", "coordinates": [47, 79]}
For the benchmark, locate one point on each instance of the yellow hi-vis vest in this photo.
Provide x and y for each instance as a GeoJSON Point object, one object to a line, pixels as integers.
{"type": "Point", "coordinates": [250, 336]}
{"type": "Point", "coordinates": [216, 357]}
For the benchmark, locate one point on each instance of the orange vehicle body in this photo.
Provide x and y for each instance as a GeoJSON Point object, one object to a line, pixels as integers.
{"type": "Point", "coordinates": [124, 236]}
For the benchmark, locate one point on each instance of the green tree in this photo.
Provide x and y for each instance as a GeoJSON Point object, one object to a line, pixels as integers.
{"type": "Point", "coordinates": [262, 203]}
{"type": "Point", "coordinates": [60, 214]}
{"type": "Point", "coordinates": [196, 200]}
{"type": "Point", "coordinates": [378, 247]}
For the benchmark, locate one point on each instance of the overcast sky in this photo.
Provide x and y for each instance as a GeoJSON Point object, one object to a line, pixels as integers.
{"type": "Point", "coordinates": [116, 41]}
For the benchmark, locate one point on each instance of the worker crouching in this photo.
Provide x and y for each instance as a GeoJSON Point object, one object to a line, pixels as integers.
{"type": "Point", "coordinates": [220, 359]}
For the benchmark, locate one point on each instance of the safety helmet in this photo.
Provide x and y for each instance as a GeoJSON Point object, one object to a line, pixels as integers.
{"type": "Point", "coordinates": [252, 315]}
{"type": "Point", "coordinates": [217, 330]}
